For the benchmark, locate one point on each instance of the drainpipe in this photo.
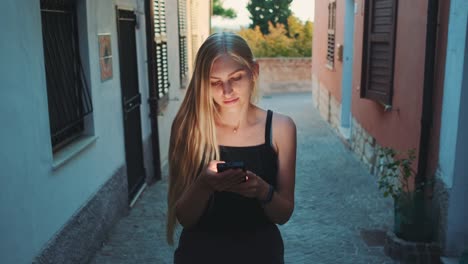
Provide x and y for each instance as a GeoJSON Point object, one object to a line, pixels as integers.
{"type": "Point", "coordinates": [153, 99]}
{"type": "Point", "coordinates": [426, 120]}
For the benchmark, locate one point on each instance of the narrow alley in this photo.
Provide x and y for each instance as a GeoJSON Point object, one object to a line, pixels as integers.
{"type": "Point", "coordinates": [90, 90]}
{"type": "Point", "coordinates": [338, 215]}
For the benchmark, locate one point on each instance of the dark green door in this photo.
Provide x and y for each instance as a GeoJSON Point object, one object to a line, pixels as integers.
{"type": "Point", "coordinates": [131, 100]}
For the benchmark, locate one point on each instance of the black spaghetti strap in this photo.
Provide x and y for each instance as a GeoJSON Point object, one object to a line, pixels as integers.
{"type": "Point", "coordinates": [268, 127]}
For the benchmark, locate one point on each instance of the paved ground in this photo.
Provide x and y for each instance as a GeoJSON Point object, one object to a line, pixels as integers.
{"type": "Point", "coordinates": [337, 202]}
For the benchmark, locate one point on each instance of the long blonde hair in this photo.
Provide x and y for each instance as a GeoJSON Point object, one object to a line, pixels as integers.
{"type": "Point", "coordinates": [193, 134]}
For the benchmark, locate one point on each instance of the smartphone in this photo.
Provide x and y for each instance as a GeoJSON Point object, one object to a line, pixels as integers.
{"type": "Point", "coordinates": [230, 165]}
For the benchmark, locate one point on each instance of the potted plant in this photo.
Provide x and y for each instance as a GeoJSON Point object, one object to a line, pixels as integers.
{"type": "Point", "coordinates": [395, 179]}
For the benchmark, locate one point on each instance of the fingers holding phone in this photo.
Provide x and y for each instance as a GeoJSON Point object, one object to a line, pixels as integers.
{"type": "Point", "coordinates": [223, 166]}
{"type": "Point", "coordinates": [220, 175]}
{"type": "Point", "coordinates": [234, 170]}
{"type": "Point", "coordinates": [251, 188]}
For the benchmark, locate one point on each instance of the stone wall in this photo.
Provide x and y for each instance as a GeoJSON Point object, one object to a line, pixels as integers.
{"type": "Point", "coordinates": [85, 232]}
{"type": "Point", "coordinates": [328, 106]}
{"type": "Point", "coordinates": [279, 75]}
{"type": "Point", "coordinates": [361, 142]}
{"type": "Point", "coordinates": [364, 145]}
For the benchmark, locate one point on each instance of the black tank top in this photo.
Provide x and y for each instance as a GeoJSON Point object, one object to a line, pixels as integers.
{"type": "Point", "coordinates": [228, 211]}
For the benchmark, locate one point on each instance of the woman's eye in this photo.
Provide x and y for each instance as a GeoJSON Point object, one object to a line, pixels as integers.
{"type": "Point", "coordinates": [237, 78]}
{"type": "Point", "coordinates": [218, 83]}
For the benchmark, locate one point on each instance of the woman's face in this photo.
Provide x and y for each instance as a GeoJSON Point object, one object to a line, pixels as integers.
{"type": "Point", "coordinates": [231, 83]}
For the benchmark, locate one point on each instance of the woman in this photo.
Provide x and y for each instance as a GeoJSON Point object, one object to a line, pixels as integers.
{"type": "Point", "coordinates": [230, 216]}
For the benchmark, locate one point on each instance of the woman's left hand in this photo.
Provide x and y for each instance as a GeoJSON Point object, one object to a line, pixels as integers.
{"type": "Point", "coordinates": [253, 187]}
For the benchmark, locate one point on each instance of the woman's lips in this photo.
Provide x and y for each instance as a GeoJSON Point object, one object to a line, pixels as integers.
{"type": "Point", "coordinates": [230, 101]}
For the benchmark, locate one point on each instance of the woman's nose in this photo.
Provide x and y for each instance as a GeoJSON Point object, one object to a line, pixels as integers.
{"type": "Point", "coordinates": [227, 88]}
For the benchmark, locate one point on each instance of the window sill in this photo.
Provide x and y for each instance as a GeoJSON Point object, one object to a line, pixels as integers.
{"type": "Point", "coordinates": [69, 152]}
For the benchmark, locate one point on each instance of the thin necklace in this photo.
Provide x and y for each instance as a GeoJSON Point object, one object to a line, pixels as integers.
{"type": "Point", "coordinates": [236, 128]}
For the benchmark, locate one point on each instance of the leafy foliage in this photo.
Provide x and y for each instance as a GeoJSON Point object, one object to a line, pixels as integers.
{"type": "Point", "coordinates": [279, 42]}
{"type": "Point", "coordinates": [395, 179]}
{"type": "Point", "coordinates": [302, 33]}
{"type": "Point", "coordinates": [395, 173]}
{"type": "Point", "coordinates": [219, 10]}
{"type": "Point", "coordinates": [264, 12]}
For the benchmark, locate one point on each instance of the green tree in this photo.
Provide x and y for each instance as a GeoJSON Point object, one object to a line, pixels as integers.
{"type": "Point", "coordinates": [302, 33]}
{"type": "Point", "coordinates": [279, 42]}
{"type": "Point", "coordinates": [264, 11]}
{"type": "Point", "coordinates": [219, 10]}
{"type": "Point", "coordinates": [295, 27]}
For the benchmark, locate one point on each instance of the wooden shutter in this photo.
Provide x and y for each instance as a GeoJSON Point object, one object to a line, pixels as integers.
{"type": "Point", "coordinates": [182, 4]}
{"type": "Point", "coordinates": [160, 38]}
{"type": "Point", "coordinates": [331, 34]}
{"type": "Point", "coordinates": [378, 50]}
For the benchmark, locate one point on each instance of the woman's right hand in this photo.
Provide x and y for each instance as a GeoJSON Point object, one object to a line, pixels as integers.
{"type": "Point", "coordinates": [212, 180]}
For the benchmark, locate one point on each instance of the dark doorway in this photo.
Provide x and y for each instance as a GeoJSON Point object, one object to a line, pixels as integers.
{"type": "Point", "coordinates": [131, 100]}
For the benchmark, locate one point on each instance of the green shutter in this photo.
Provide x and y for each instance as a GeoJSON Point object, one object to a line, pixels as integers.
{"type": "Point", "coordinates": [182, 4]}
{"type": "Point", "coordinates": [160, 38]}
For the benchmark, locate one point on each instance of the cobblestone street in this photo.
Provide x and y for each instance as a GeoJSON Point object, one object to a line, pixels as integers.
{"type": "Point", "coordinates": [337, 203]}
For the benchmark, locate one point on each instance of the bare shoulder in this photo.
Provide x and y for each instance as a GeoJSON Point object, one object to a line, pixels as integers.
{"type": "Point", "coordinates": [283, 130]}
{"type": "Point", "coordinates": [283, 123]}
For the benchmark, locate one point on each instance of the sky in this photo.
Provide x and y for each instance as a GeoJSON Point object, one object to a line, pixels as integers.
{"type": "Point", "coordinates": [303, 9]}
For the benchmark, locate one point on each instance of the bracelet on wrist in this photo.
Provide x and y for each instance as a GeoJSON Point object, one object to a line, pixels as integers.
{"type": "Point", "coordinates": [269, 196]}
